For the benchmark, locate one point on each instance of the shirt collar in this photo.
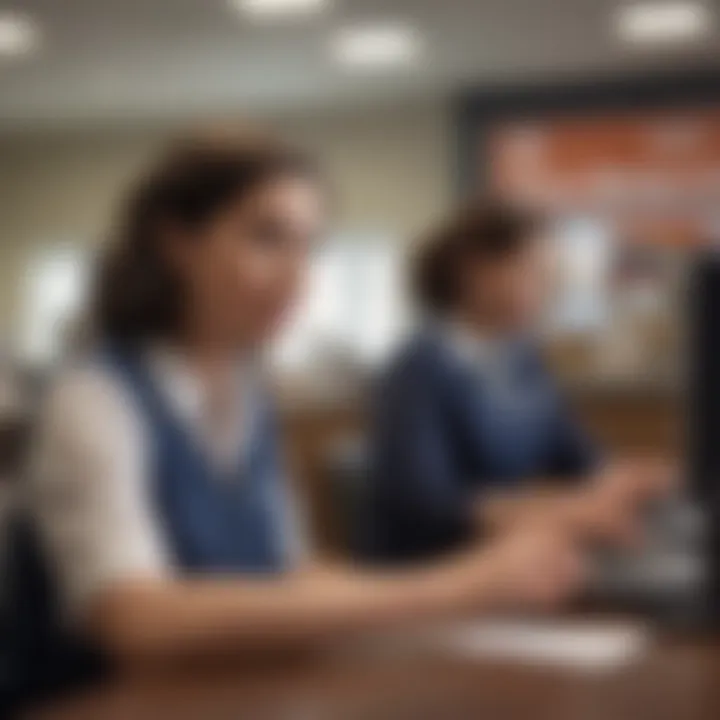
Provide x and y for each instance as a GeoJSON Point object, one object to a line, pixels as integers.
{"type": "Point", "coordinates": [186, 394]}
{"type": "Point", "coordinates": [472, 348]}
{"type": "Point", "coordinates": [176, 380]}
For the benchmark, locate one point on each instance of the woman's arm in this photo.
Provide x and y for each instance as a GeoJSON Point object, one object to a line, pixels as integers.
{"type": "Point", "coordinates": [601, 507]}
{"type": "Point", "coordinates": [578, 492]}
{"type": "Point", "coordinates": [540, 500]}
{"type": "Point", "coordinates": [161, 620]}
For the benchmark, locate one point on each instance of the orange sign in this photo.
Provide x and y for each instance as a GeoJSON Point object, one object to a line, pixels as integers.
{"type": "Point", "coordinates": [663, 167]}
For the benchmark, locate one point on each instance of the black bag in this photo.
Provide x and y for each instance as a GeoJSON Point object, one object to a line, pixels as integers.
{"type": "Point", "coordinates": [39, 658]}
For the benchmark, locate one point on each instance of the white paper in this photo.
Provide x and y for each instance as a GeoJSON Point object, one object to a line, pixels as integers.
{"type": "Point", "coordinates": [582, 646]}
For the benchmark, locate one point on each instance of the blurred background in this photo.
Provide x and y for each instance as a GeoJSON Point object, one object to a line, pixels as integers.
{"type": "Point", "coordinates": [606, 112]}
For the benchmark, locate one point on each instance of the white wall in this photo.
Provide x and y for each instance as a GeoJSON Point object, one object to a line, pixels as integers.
{"type": "Point", "coordinates": [391, 168]}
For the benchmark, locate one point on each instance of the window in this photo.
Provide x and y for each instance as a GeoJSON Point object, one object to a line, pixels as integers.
{"type": "Point", "coordinates": [585, 252]}
{"type": "Point", "coordinates": [354, 308]}
{"type": "Point", "coordinates": [54, 290]}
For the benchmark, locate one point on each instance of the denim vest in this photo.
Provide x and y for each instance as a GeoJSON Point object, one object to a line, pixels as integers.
{"type": "Point", "coordinates": [213, 521]}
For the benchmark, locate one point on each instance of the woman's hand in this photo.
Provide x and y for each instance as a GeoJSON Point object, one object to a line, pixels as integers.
{"type": "Point", "coordinates": [535, 567]}
{"type": "Point", "coordinates": [637, 481]}
{"type": "Point", "coordinates": [609, 507]}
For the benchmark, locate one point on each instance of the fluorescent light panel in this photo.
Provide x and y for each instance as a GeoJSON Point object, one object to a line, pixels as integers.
{"type": "Point", "coordinates": [18, 34]}
{"type": "Point", "coordinates": [663, 21]}
{"type": "Point", "coordinates": [376, 45]}
{"type": "Point", "coordinates": [279, 8]}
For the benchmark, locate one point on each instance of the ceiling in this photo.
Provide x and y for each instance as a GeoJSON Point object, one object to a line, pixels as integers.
{"type": "Point", "coordinates": [143, 59]}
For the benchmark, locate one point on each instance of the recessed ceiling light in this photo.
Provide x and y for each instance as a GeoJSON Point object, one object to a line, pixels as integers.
{"type": "Point", "coordinates": [663, 21]}
{"type": "Point", "coordinates": [376, 46]}
{"type": "Point", "coordinates": [18, 34]}
{"type": "Point", "coordinates": [279, 8]}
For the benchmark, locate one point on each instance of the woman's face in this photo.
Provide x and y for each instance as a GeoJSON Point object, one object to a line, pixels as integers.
{"type": "Point", "coordinates": [245, 272]}
{"type": "Point", "coordinates": [508, 295]}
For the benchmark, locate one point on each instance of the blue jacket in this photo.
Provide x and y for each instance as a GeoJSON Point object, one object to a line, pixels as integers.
{"type": "Point", "coordinates": [443, 433]}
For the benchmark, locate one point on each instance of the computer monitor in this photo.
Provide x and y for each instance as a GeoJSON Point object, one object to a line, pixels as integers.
{"type": "Point", "coordinates": [703, 412]}
{"type": "Point", "coordinates": [676, 575]}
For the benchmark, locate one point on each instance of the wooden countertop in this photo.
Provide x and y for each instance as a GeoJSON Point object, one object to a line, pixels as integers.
{"type": "Point", "coordinates": [678, 679]}
{"type": "Point", "coordinates": [355, 398]}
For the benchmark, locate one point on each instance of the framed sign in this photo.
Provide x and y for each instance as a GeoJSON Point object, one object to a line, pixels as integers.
{"type": "Point", "coordinates": [629, 172]}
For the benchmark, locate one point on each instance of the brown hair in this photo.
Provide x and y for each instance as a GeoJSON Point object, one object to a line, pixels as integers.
{"type": "Point", "coordinates": [485, 230]}
{"type": "Point", "coordinates": [137, 295]}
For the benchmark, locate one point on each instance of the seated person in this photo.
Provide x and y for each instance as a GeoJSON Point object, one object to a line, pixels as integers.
{"type": "Point", "coordinates": [160, 493]}
{"type": "Point", "coordinates": [470, 432]}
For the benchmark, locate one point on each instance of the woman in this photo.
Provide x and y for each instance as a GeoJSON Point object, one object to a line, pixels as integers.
{"type": "Point", "coordinates": [161, 494]}
{"type": "Point", "coordinates": [468, 418]}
